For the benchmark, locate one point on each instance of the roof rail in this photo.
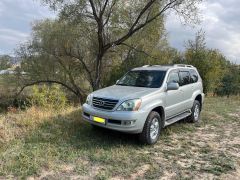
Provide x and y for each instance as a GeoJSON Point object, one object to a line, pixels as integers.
{"type": "Point", "coordinates": [183, 65]}
{"type": "Point", "coordinates": [156, 65]}
{"type": "Point", "coordinates": [146, 66]}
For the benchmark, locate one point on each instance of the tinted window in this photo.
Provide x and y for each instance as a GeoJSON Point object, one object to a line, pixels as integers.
{"type": "Point", "coordinates": [184, 78]}
{"type": "Point", "coordinates": [173, 77]}
{"type": "Point", "coordinates": [144, 78]}
{"type": "Point", "coordinates": [194, 76]}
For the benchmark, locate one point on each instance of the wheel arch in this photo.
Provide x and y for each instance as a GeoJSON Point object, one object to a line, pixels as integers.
{"type": "Point", "coordinates": [199, 99]}
{"type": "Point", "coordinates": [160, 110]}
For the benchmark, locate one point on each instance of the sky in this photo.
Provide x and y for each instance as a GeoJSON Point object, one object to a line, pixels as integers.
{"type": "Point", "coordinates": [220, 19]}
{"type": "Point", "coordinates": [16, 18]}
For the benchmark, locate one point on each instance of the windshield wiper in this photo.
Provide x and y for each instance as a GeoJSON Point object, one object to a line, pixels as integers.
{"type": "Point", "coordinates": [122, 84]}
{"type": "Point", "coordinates": [140, 86]}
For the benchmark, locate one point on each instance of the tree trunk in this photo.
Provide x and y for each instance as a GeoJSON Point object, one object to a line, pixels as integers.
{"type": "Point", "coordinates": [98, 69]}
{"type": "Point", "coordinates": [81, 99]}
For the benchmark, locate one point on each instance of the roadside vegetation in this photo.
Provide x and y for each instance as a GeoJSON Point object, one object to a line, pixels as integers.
{"type": "Point", "coordinates": [42, 143]}
{"type": "Point", "coordinates": [89, 46]}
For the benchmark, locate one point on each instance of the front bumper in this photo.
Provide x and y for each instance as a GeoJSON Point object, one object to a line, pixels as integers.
{"type": "Point", "coordinates": [124, 121]}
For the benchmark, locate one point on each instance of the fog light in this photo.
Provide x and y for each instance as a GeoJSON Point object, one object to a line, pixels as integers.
{"type": "Point", "coordinates": [128, 123]}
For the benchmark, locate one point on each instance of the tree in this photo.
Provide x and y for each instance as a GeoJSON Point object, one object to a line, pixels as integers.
{"type": "Point", "coordinates": [55, 55]}
{"type": "Point", "coordinates": [45, 58]}
{"type": "Point", "coordinates": [230, 83]}
{"type": "Point", "coordinates": [210, 63]}
{"type": "Point", "coordinates": [90, 37]}
{"type": "Point", "coordinates": [5, 62]}
{"type": "Point", "coordinates": [113, 23]}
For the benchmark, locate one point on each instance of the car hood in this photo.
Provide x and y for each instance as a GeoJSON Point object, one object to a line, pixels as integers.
{"type": "Point", "coordinates": [123, 92]}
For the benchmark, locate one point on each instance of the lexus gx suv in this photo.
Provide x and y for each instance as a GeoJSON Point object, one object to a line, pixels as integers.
{"type": "Point", "coordinates": [147, 99]}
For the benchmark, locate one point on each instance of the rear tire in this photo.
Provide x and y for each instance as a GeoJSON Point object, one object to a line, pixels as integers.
{"type": "Point", "coordinates": [152, 128]}
{"type": "Point", "coordinates": [196, 109]}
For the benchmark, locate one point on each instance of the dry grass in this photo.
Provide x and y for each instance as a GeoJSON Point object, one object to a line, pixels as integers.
{"type": "Point", "coordinates": [43, 144]}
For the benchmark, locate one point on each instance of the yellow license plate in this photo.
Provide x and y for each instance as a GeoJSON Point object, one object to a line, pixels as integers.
{"type": "Point", "coordinates": [99, 120]}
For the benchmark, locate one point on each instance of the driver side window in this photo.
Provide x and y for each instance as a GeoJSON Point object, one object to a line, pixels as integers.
{"type": "Point", "coordinates": [173, 77]}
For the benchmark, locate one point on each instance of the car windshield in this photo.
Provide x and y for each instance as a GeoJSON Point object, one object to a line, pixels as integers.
{"type": "Point", "coordinates": [143, 78]}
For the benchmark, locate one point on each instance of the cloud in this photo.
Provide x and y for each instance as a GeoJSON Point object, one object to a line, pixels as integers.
{"type": "Point", "coordinates": [12, 36]}
{"type": "Point", "coordinates": [220, 21]}
{"type": "Point", "coordinates": [16, 17]}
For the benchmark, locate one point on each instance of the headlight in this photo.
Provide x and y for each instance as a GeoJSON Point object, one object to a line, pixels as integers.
{"type": "Point", "coordinates": [89, 99]}
{"type": "Point", "coordinates": [130, 105]}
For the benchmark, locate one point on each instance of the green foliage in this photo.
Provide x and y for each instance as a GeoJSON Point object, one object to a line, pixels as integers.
{"type": "Point", "coordinates": [57, 49]}
{"type": "Point", "coordinates": [67, 50]}
{"type": "Point", "coordinates": [49, 97]}
{"type": "Point", "coordinates": [78, 48]}
{"type": "Point", "coordinates": [149, 46]}
{"type": "Point", "coordinates": [5, 62]}
{"type": "Point", "coordinates": [136, 59]}
{"type": "Point", "coordinates": [210, 63]}
{"type": "Point", "coordinates": [230, 83]}
{"type": "Point", "coordinates": [47, 57]}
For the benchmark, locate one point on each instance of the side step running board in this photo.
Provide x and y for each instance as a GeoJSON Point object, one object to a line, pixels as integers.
{"type": "Point", "coordinates": [177, 118]}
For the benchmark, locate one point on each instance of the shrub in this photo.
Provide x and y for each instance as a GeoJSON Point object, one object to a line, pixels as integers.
{"type": "Point", "coordinates": [49, 97]}
{"type": "Point", "coordinates": [230, 83]}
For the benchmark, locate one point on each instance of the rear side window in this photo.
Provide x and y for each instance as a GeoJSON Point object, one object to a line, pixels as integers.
{"type": "Point", "coordinates": [173, 77]}
{"type": "Point", "coordinates": [194, 76]}
{"type": "Point", "coordinates": [184, 78]}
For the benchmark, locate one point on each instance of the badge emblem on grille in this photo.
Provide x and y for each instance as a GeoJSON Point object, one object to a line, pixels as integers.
{"type": "Point", "coordinates": [101, 103]}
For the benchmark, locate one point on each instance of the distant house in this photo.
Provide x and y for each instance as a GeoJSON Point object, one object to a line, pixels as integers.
{"type": "Point", "coordinates": [8, 71]}
{"type": "Point", "coordinates": [12, 62]}
{"type": "Point", "coordinates": [2, 72]}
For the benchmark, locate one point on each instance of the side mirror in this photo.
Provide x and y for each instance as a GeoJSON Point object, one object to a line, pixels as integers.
{"type": "Point", "coordinates": [172, 86]}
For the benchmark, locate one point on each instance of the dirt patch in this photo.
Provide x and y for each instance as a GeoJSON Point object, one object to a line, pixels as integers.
{"type": "Point", "coordinates": [117, 178]}
{"type": "Point", "coordinates": [45, 174]}
{"type": "Point", "coordinates": [232, 176]}
{"type": "Point", "coordinates": [141, 171]}
{"type": "Point", "coordinates": [235, 115]}
{"type": "Point", "coordinates": [67, 168]}
{"type": "Point", "coordinates": [168, 175]}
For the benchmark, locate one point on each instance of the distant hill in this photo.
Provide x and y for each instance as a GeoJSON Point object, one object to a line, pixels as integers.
{"type": "Point", "coordinates": [13, 60]}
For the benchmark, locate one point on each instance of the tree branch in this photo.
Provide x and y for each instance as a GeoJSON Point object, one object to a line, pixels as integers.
{"type": "Point", "coordinates": [69, 75]}
{"type": "Point", "coordinates": [147, 6]}
{"type": "Point", "coordinates": [84, 66]}
{"type": "Point", "coordinates": [140, 51]}
{"type": "Point", "coordinates": [50, 82]}
{"type": "Point", "coordinates": [110, 12]}
{"type": "Point", "coordinates": [94, 10]}
{"type": "Point", "coordinates": [63, 66]}
{"type": "Point", "coordinates": [103, 9]}
{"type": "Point", "coordinates": [135, 28]}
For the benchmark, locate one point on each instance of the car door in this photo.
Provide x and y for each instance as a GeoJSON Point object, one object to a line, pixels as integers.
{"type": "Point", "coordinates": [187, 89]}
{"type": "Point", "coordinates": [174, 98]}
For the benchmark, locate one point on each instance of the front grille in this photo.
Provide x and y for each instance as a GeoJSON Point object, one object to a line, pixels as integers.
{"type": "Point", "coordinates": [103, 103]}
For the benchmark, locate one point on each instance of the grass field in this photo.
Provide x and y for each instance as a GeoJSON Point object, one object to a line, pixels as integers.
{"type": "Point", "coordinates": [43, 144]}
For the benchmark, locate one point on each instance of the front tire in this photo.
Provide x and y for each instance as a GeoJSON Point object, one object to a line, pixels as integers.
{"type": "Point", "coordinates": [152, 128]}
{"type": "Point", "coordinates": [196, 109]}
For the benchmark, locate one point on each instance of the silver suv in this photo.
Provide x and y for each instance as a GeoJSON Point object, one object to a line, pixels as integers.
{"type": "Point", "coordinates": [147, 99]}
